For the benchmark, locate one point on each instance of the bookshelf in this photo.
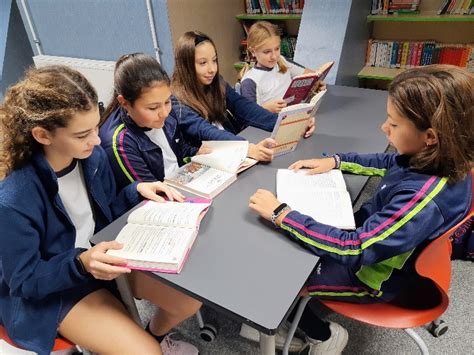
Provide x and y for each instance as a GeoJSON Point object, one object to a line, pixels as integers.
{"type": "Point", "coordinates": [426, 25]}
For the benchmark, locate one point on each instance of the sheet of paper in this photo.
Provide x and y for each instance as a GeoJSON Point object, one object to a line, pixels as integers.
{"type": "Point", "coordinates": [170, 213]}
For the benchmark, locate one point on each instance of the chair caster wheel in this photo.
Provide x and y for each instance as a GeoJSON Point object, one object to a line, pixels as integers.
{"type": "Point", "coordinates": [438, 329]}
{"type": "Point", "coordinates": [208, 332]}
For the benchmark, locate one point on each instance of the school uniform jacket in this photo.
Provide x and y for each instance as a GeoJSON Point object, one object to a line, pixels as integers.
{"type": "Point", "coordinates": [37, 244]}
{"type": "Point", "coordinates": [133, 156]}
{"type": "Point", "coordinates": [408, 210]}
{"type": "Point", "coordinates": [243, 113]}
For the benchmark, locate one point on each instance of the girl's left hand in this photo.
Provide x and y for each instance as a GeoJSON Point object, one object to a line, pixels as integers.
{"type": "Point", "coordinates": [264, 203]}
{"type": "Point", "coordinates": [310, 128]}
{"type": "Point", "coordinates": [150, 191]}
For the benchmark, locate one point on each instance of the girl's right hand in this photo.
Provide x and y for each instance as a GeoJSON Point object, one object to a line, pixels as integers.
{"type": "Point", "coordinates": [101, 265]}
{"type": "Point", "coordinates": [275, 106]}
{"type": "Point", "coordinates": [262, 151]}
{"type": "Point", "coordinates": [316, 166]}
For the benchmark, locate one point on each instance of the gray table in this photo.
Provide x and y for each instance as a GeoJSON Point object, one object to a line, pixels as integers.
{"type": "Point", "coordinates": [240, 264]}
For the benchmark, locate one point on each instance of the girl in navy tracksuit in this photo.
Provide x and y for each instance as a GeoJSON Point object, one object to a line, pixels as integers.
{"type": "Point", "coordinates": [58, 191]}
{"type": "Point", "coordinates": [143, 137]}
{"type": "Point", "coordinates": [425, 190]}
{"type": "Point", "coordinates": [202, 95]}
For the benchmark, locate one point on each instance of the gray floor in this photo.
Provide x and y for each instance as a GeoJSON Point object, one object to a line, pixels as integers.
{"type": "Point", "coordinates": [363, 339]}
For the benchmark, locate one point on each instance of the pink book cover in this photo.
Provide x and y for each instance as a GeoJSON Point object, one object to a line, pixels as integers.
{"type": "Point", "coordinates": [185, 258]}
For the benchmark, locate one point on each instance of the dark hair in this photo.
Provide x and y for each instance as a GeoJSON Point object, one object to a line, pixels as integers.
{"type": "Point", "coordinates": [208, 100]}
{"type": "Point", "coordinates": [440, 97]}
{"type": "Point", "coordinates": [133, 73]}
{"type": "Point", "coordinates": [47, 97]}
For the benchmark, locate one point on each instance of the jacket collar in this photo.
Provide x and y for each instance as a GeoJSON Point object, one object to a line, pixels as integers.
{"type": "Point", "coordinates": [48, 177]}
{"type": "Point", "coordinates": [144, 143]}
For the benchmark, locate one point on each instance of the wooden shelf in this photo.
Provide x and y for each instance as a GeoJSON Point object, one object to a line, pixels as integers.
{"type": "Point", "coordinates": [379, 73]}
{"type": "Point", "coordinates": [268, 17]}
{"type": "Point", "coordinates": [421, 18]}
{"type": "Point", "coordinates": [239, 65]}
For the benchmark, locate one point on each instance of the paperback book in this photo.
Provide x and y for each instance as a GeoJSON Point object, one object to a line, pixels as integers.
{"type": "Point", "coordinates": [159, 236]}
{"type": "Point", "coordinates": [324, 197]}
{"type": "Point", "coordinates": [209, 174]}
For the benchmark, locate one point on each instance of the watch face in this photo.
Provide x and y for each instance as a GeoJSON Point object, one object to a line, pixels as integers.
{"type": "Point", "coordinates": [279, 208]}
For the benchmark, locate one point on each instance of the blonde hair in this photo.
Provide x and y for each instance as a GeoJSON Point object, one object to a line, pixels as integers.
{"type": "Point", "coordinates": [47, 97]}
{"type": "Point", "coordinates": [258, 33]}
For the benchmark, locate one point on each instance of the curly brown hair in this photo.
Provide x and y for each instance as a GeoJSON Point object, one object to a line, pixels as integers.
{"type": "Point", "coordinates": [440, 97]}
{"type": "Point", "coordinates": [47, 97]}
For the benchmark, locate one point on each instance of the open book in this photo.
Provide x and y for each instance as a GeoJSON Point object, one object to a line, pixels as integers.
{"type": "Point", "coordinates": [292, 122]}
{"type": "Point", "coordinates": [159, 236]}
{"type": "Point", "coordinates": [303, 86]}
{"type": "Point", "coordinates": [324, 197]}
{"type": "Point", "coordinates": [209, 174]}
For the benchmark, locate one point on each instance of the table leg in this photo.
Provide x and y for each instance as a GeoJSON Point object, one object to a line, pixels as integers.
{"type": "Point", "coordinates": [126, 294]}
{"type": "Point", "coordinates": [267, 344]}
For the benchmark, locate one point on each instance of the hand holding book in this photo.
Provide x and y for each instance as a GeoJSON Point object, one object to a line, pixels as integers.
{"type": "Point", "coordinates": [262, 151]}
{"type": "Point", "coordinates": [159, 236]}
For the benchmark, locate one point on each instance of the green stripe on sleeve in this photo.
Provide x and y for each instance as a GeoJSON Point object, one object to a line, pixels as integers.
{"type": "Point", "coordinates": [361, 170]}
{"type": "Point", "coordinates": [116, 153]}
{"type": "Point", "coordinates": [344, 294]}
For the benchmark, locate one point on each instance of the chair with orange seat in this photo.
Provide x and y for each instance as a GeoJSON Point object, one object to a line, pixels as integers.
{"type": "Point", "coordinates": [434, 266]}
{"type": "Point", "coordinates": [60, 344]}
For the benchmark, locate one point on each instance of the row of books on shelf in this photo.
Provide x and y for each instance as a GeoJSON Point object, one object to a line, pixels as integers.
{"type": "Point", "coordinates": [456, 7]}
{"type": "Point", "coordinates": [287, 49]}
{"type": "Point", "coordinates": [384, 7]}
{"type": "Point", "coordinates": [409, 54]}
{"type": "Point", "coordinates": [274, 7]}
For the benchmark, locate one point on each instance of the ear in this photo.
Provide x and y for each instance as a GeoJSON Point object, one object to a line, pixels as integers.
{"type": "Point", "coordinates": [123, 102]}
{"type": "Point", "coordinates": [431, 138]}
{"type": "Point", "coordinates": [252, 51]}
{"type": "Point", "coordinates": [41, 135]}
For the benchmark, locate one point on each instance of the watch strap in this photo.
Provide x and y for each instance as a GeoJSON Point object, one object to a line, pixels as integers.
{"type": "Point", "coordinates": [278, 211]}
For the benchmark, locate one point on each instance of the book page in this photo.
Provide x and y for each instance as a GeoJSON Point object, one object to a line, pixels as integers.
{"type": "Point", "coordinates": [322, 196]}
{"type": "Point", "coordinates": [324, 69]}
{"type": "Point", "coordinates": [247, 164]}
{"type": "Point", "coordinates": [210, 179]}
{"type": "Point", "coordinates": [169, 213]}
{"type": "Point", "coordinates": [153, 243]}
{"type": "Point", "coordinates": [200, 179]}
{"type": "Point", "coordinates": [289, 180]}
{"type": "Point", "coordinates": [225, 155]}
{"type": "Point", "coordinates": [331, 207]}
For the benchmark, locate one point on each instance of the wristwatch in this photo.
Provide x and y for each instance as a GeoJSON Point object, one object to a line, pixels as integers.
{"type": "Point", "coordinates": [79, 265]}
{"type": "Point", "coordinates": [278, 211]}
